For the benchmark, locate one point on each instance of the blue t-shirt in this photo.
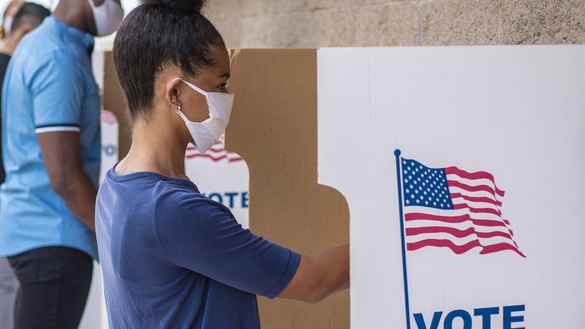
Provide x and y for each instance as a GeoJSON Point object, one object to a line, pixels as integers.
{"type": "Point", "coordinates": [172, 258]}
{"type": "Point", "coordinates": [49, 86]}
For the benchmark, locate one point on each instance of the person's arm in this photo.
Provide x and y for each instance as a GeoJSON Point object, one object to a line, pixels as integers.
{"type": "Point", "coordinates": [9, 44]}
{"type": "Point", "coordinates": [320, 276]}
{"type": "Point", "coordinates": [61, 155]}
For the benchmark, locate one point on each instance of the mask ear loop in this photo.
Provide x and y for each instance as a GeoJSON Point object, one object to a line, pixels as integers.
{"type": "Point", "coordinates": [192, 86]}
{"type": "Point", "coordinates": [181, 114]}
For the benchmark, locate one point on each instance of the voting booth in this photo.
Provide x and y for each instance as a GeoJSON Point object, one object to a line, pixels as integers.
{"type": "Point", "coordinates": [221, 176]}
{"type": "Point", "coordinates": [453, 171]}
{"type": "Point", "coordinates": [455, 168]}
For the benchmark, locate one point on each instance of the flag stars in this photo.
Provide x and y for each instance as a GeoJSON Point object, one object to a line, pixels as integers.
{"type": "Point", "coordinates": [424, 186]}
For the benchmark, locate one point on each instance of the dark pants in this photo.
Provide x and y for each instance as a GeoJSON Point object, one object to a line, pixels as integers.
{"type": "Point", "coordinates": [54, 285]}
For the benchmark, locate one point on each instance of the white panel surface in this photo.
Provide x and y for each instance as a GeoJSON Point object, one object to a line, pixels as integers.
{"type": "Point", "coordinates": [517, 113]}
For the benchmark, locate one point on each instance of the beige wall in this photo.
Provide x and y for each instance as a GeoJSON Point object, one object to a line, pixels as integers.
{"type": "Point", "coordinates": [323, 23]}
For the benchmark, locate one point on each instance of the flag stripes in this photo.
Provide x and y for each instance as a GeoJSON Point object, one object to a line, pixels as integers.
{"type": "Point", "coordinates": [455, 209]}
{"type": "Point", "coordinates": [216, 153]}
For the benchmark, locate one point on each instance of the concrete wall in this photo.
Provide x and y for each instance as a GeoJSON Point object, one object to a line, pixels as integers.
{"type": "Point", "coordinates": [327, 23]}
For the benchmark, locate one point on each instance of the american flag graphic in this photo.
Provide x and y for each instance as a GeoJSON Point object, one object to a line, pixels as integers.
{"type": "Point", "coordinates": [108, 117]}
{"type": "Point", "coordinates": [216, 153]}
{"type": "Point", "coordinates": [452, 208]}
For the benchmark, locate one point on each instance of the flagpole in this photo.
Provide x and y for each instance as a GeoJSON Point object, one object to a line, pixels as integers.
{"type": "Point", "coordinates": [403, 238]}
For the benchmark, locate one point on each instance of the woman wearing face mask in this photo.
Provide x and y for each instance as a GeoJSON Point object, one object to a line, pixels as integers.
{"type": "Point", "coordinates": [172, 258]}
{"type": "Point", "coordinates": [52, 148]}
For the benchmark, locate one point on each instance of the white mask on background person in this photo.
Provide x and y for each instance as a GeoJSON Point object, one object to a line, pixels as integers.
{"type": "Point", "coordinates": [107, 17]}
{"type": "Point", "coordinates": [7, 25]}
{"type": "Point", "coordinates": [206, 133]}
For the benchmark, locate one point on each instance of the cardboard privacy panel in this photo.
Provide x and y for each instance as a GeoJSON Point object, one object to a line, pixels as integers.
{"type": "Point", "coordinates": [473, 157]}
{"type": "Point", "coordinates": [274, 128]}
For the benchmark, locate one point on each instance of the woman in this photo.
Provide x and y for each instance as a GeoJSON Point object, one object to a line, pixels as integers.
{"type": "Point", "coordinates": [171, 257]}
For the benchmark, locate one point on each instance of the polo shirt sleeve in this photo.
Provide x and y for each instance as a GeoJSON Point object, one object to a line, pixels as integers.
{"type": "Point", "coordinates": [200, 235]}
{"type": "Point", "coordinates": [57, 92]}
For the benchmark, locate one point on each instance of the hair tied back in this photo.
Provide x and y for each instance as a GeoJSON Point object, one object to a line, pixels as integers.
{"type": "Point", "coordinates": [180, 5]}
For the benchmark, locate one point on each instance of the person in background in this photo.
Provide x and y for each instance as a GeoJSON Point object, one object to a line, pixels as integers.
{"type": "Point", "coordinates": [52, 149]}
{"type": "Point", "coordinates": [8, 16]}
{"type": "Point", "coordinates": [27, 17]}
{"type": "Point", "coordinates": [171, 257]}
{"type": "Point", "coordinates": [24, 21]}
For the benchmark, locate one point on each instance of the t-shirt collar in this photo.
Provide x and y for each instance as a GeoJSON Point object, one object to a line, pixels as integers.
{"type": "Point", "coordinates": [77, 37]}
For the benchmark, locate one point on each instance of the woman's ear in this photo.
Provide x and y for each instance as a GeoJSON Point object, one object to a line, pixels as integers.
{"type": "Point", "coordinates": [173, 92]}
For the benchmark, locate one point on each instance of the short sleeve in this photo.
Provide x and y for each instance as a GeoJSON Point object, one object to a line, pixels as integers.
{"type": "Point", "coordinates": [57, 91]}
{"type": "Point", "coordinates": [203, 236]}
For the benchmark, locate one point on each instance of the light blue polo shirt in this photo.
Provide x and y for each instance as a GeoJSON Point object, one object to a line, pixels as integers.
{"type": "Point", "coordinates": [49, 86]}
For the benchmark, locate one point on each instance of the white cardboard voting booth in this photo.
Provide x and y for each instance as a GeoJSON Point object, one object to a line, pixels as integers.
{"type": "Point", "coordinates": [502, 246]}
{"type": "Point", "coordinates": [95, 316]}
{"type": "Point", "coordinates": [222, 176]}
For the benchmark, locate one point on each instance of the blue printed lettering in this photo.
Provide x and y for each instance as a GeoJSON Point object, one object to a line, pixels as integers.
{"type": "Point", "coordinates": [463, 315]}
{"type": "Point", "coordinates": [109, 150]}
{"type": "Point", "coordinates": [216, 197]}
{"type": "Point", "coordinates": [229, 199]}
{"type": "Point", "coordinates": [420, 321]}
{"type": "Point", "coordinates": [245, 200]}
{"type": "Point", "coordinates": [509, 319]}
{"type": "Point", "coordinates": [486, 315]}
{"type": "Point", "coordinates": [231, 196]}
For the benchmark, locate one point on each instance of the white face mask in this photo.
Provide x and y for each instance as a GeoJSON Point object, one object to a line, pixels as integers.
{"type": "Point", "coordinates": [107, 17]}
{"type": "Point", "coordinates": [206, 133]}
{"type": "Point", "coordinates": [8, 25]}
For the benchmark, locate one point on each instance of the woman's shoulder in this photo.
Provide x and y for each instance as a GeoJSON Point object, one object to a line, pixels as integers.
{"type": "Point", "coordinates": [178, 196]}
